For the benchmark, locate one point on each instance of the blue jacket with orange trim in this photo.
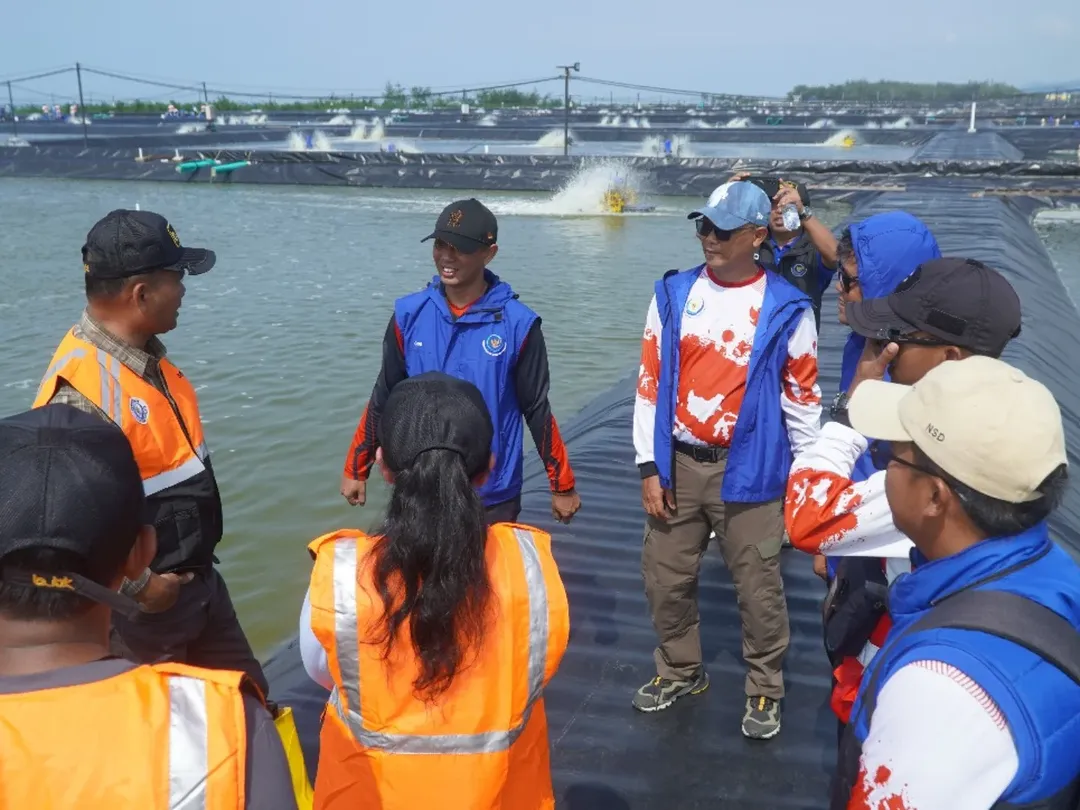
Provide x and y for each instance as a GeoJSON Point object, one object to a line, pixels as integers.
{"type": "Point", "coordinates": [498, 346]}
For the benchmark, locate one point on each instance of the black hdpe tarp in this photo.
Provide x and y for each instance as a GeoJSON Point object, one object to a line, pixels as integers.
{"type": "Point", "coordinates": [606, 756]}
{"type": "Point", "coordinates": [962, 145]}
{"type": "Point", "coordinates": [683, 176]}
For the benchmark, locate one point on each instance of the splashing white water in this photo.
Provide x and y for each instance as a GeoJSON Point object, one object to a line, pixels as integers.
{"type": "Point", "coordinates": [489, 120]}
{"type": "Point", "coordinates": [822, 123]}
{"type": "Point", "coordinates": [845, 137]}
{"type": "Point", "coordinates": [738, 123]}
{"type": "Point", "coordinates": [653, 146]}
{"type": "Point", "coordinates": [339, 121]}
{"type": "Point", "coordinates": [243, 120]}
{"type": "Point", "coordinates": [583, 193]}
{"type": "Point", "coordinates": [297, 142]}
{"type": "Point", "coordinates": [901, 123]}
{"type": "Point", "coordinates": [186, 129]}
{"type": "Point", "coordinates": [554, 139]}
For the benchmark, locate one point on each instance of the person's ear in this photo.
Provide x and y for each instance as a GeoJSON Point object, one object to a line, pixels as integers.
{"type": "Point", "coordinates": [937, 504]}
{"type": "Point", "coordinates": [760, 235]}
{"type": "Point", "coordinates": [493, 251]}
{"type": "Point", "coordinates": [387, 475]}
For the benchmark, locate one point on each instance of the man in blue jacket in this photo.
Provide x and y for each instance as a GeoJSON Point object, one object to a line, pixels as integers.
{"type": "Point", "coordinates": [974, 700]}
{"type": "Point", "coordinates": [469, 324]}
{"type": "Point", "coordinates": [727, 389]}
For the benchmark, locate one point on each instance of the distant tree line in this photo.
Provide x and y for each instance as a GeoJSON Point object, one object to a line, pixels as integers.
{"type": "Point", "coordinates": [863, 90]}
{"type": "Point", "coordinates": [394, 97]}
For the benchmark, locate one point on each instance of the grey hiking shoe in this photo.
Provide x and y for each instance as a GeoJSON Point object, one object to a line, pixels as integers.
{"type": "Point", "coordinates": [659, 693]}
{"type": "Point", "coordinates": [762, 718]}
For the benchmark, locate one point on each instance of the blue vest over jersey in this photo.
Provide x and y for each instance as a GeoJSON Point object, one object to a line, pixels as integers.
{"type": "Point", "coordinates": [482, 347]}
{"type": "Point", "coordinates": [1040, 703]}
{"type": "Point", "coordinates": [759, 458]}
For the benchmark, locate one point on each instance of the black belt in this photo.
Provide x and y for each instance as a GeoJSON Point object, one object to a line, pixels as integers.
{"type": "Point", "coordinates": [704, 454]}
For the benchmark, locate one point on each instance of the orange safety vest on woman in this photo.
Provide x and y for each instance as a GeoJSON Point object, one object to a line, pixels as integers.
{"type": "Point", "coordinates": [169, 448]}
{"type": "Point", "coordinates": [161, 737]}
{"type": "Point", "coordinates": [483, 745]}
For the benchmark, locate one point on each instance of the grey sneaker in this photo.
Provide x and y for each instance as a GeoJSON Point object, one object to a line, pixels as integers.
{"type": "Point", "coordinates": [762, 718]}
{"type": "Point", "coordinates": [659, 693]}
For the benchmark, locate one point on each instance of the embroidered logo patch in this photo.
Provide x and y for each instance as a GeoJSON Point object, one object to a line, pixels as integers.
{"type": "Point", "coordinates": [172, 235]}
{"type": "Point", "coordinates": [140, 411]}
{"type": "Point", "coordinates": [494, 345]}
{"type": "Point", "coordinates": [799, 270]}
{"type": "Point", "coordinates": [695, 305]}
{"type": "Point", "coordinates": [455, 218]}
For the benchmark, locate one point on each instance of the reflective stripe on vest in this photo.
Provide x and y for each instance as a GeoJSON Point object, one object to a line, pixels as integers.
{"type": "Point", "coordinates": [345, 637]}
{"type": "Point", "coordinates": [189, 469]}
{"type": "Point", "coordinates": [189, 743]}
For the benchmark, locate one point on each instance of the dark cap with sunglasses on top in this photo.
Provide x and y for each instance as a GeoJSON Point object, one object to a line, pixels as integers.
{"type": "Point", "coordinates": [735, 204]}
{"type": "Point", "coordinates": [957, 302]}
{"type": "Point", "coordinates": [128, 243]}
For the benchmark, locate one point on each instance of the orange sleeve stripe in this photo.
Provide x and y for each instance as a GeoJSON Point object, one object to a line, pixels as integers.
{"type": "Point", "coordinates": [649, 372]}
{"type": "Point", "coordinates": [558, 467]}
{"type": "Point", "coordinates": [357, 462]}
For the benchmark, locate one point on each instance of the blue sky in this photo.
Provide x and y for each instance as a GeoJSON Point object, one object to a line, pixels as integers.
{"type": "Point", "coordinates": [752, 47]}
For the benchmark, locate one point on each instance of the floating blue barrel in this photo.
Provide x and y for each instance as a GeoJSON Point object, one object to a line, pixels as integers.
{"type": "Point", "coordinates": [193, 165]}
{"type": "Point", "coordinates": [225, 168]}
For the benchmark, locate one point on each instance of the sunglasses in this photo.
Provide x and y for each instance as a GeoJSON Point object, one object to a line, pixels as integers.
{"type": "Point", "coordinates": [883, 337]}
{"type": "Point", "coordinates": [704, 227]}
{"type": "Point", "coordinates": [881, 455]}
{"type": "Point", "coordinates": [847, 281]}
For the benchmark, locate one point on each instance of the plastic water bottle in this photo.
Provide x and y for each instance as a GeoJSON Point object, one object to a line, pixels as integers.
{"type": "Point", "coordinates": [791, 217]}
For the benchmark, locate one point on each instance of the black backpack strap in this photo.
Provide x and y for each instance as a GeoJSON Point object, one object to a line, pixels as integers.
{"type": "Point", "coordinates": [1003, 614]}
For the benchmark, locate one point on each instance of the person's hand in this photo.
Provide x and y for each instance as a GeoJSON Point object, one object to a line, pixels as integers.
{"type": "Point", "coordinates": [162, 591]}
{"type": "Point", "coordinates": [658, 502]}
{"type": "Point", "coordinates": [564, 505]}
{"type": "Point", "coordinates": [820, 568]}
{"type": "Point", "coordinates": [873, 364]}
{"type": "Point", "coordinates": [788, 194]}
{"type": "Point", "coordinates": [355, 492]}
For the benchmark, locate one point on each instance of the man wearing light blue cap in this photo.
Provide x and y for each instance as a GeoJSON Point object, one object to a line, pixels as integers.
{"type": "Point", "coordinates": [727, 391]}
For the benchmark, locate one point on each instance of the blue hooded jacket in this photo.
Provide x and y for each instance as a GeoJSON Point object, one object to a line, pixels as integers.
{"type": "Point", "coordinates": [888, 247]}
{"type": "Point", "coordinates": [482, 347]}
{"type": "Point", "coordinates": [1041, 704]}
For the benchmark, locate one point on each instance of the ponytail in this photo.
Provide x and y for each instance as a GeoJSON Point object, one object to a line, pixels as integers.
{"type": "Point", "coordinates": [430, 567]}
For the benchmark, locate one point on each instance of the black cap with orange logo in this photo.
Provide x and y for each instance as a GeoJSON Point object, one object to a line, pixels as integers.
{"type": "Point", "coordinates": [466, 225]}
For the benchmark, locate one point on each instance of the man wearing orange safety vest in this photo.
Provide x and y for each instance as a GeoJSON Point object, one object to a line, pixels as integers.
{"type": "Point", "coordinates": [113, 365]}
{"type": "Point", "coordinates": [80, 728]}
{"type": "Point", "coordinates": [444, 708]}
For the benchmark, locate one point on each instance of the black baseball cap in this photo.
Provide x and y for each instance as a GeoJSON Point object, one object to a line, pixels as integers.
{"type": "Point", "coordinates": [960, 301]}
{"type": "Point", "coordinates": [467, 225]}
{"type": "Point", "coordinates": [126, 243]}
{"type": "Point", "coordinates": [770, 184]}
{"type": "Point", "coordinates": [435, 411]}
{"type": "Point", "coordinates": [70, 482]}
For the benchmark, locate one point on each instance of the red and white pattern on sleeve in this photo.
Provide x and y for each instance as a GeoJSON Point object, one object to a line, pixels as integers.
{"type": "Point", "coordinates": [801, 400]}
{"type": "Point", "coordinates": [921, 752]}
{"type": "Point", "coordinates": [648, 375]}
{"type": "Point", "coordinates": [825, 512]}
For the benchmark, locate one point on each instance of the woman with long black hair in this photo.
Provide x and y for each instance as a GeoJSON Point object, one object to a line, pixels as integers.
{"type": "Point", "coordinates": [436, 634]}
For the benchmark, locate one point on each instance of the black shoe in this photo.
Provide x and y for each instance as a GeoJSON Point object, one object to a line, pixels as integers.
{"type": "Point", "coordinates": [761, 720]}
{"type": "Point", "coordinates": [659, 693]}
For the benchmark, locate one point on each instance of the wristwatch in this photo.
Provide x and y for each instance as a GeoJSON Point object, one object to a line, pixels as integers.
{"type": "Point", "coordinates": [133, 589]}
{"type": "Point", "coordinates": [806, 213]}
{"type": "Point", "coordinates": [838, 411]}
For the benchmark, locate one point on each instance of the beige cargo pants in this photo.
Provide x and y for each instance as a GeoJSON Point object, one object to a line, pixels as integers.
{"type": "Point", "coordinates": [749, 536]}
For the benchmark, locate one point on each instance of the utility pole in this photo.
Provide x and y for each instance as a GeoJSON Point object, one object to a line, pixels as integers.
{"type": "Point", "coordinates": [566, 103]}
{"type": "Point", "coordinates": [205, 97]}
{"type": "Point", "coordinates": [14, 117]}
{"type": "Point", "coordinates": [82, 107]}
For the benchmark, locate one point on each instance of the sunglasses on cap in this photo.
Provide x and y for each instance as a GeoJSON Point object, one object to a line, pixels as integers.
{"type": "Point", "coordinates": [704, 227]}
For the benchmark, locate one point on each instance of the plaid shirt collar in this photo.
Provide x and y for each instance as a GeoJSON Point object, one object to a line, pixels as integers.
{"type": "Point", "coordinates": [142, 362]}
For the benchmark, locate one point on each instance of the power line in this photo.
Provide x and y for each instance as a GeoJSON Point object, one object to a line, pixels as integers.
{"type": "Point", "coordinates": [44, 75]}
{"type": "Point", "coordinates": [670, 91]}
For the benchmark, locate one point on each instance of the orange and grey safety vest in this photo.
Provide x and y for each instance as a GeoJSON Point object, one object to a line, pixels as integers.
{"type": "Point", "coordinates": [156, 737]}
{"type": "Point", "coordinates": [166, 435]}
{"type": "Point", "coordinates": [483, 744]}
